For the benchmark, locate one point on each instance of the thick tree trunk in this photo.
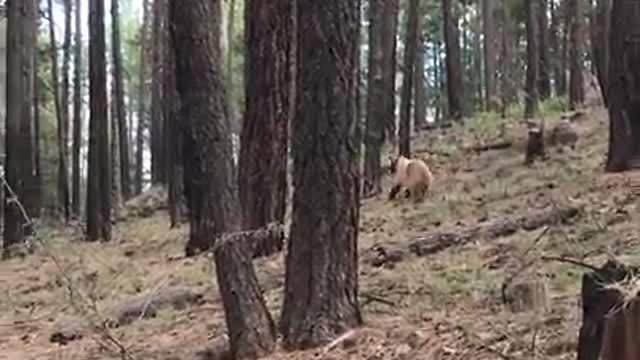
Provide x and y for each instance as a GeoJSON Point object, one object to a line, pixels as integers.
{"type": "Point", "coordinates": [602, 28]}
{"type": "Point", "coordinates": [408, 69]}
{"type": "Point", "coordinates": [214, 205]}
{"type": "Point", "coordinates": [262, 175]}
{"type": "Point", "coordinates": [624, 106]}
{"type": "Point", "coordinates": [576, 54]}
{"type": "Point", "coordinates": [157, 145]}
{"type": "Point", "coordinates": [77, 113]}
{"type": "Point", "coordinates": [121, 114]}
{"type": "Point", "coordinates": [544, 78]}
{"type": "Point", "coordinates": [142, 98]}
{"type": "Point", "coordinates": [490, 40]}
{"type": "Point", "coordinates": [321, 298]}
{"type": "Point", "coordinates": [420, 91]}
{"type": "Point", "coordinates": [99, 176]}
{"type": "Point", "coordinates": [453, 60]}
{"type": "Point", "coordinates": [531, 85]}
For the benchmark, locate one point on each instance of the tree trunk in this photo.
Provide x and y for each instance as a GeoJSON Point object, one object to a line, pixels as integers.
{"type": "Point", "coordinates": [601, 45]}
{"type": "Point", "coordinates": [453, 60]}
{"type": "Point", "coordinates": [555, 45]}
{"type": "Point", "coordinates": [19, 173]}
{"type": "Point", "coordinates": [508, 86]}
{"type": "Point", "coordinates": [37, 169]}
{"type": "Point", "coordinates": [531, 86]}
{"type": "Point", "coordinates": [321, 288]}
{"type": "Point", "coordinates": [77, 113]}
{"type": "Point", "coordinates": [488, 9]}
{"type": "Point", "coordinates": [262, 176]}
{"type": "Point", "coordinates": [624, 106]}
{"type": "Point", "coordinates": [214, 201]}
{"type": "Point", "coordinates": [420, 91]}
{"type": "Point", "coordinates": [380, 89]}
{"type": "Point", "coordinates": [229, 61]}
{"type": "Point", "coordinates": [116, 191]}
{"type": "Point", "coordinates": [157, 146]}
{"type": "Point", "coordinates": [544, 78]}
{"type": "Point", "coordinates": [121, 114]}
{"type": "Point", "coordinates": [99, 176]}
{"type": "Point", "coordinates": [564, 48]}
{"type": "Point", "coordinates": [142, 96]}
{"type": "Point", "coordinates": [61, 108]}
{"type": "Point", "coordinates": [408, 69]}
{"type": "Point", "coordinates": [576, 53]}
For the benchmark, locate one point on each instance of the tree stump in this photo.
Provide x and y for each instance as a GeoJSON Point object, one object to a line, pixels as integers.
{"type": "Point", "coordinates": [621, 331]}
{"type": "Point", "coordinates": [527, 295]}
{"type": "Point", "coordinates": [535, 145]}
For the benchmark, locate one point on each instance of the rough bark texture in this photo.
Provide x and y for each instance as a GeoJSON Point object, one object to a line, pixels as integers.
{"type": "Point", "coordinates": [321, 285]}
{"type": "Point", "coordinates": [508, 84]}
{"type": "Point", "coordinates": [389, 60]}
{"type": "Point", "coordinates": [19, 169]}
{"type": "Point", "coordinates": [263, 160]}
{"type": "Point", "coordinates": [621, 332]}
{"type": "Point", "coordinates": [116, 190]}
{"type": "Point", "coordinates": [408, 65]}
{"type": "Point", "coordinates": [624, 93]}
{"type": "Point", "coordinates": [576, 53]}
{"type": "Point", "coordinates": [214, 205]}
{"type": "Point", "coordinates": [531, 85]}
{"type": "Point", "coordinates": [563, 17]}
{"type": "Point", "coordinates": [453, 60]}
{"type": "Point", "coordinates": [601, 51]}
{"type": "Point", "coordinates": [120, 112]}
{"type": "Point", "coordinates": [64, 111]}
{"type": "Point", "coordinates": [490, 42]}
{"type": "Point", "coordinates": [157, 120]}
{"type": "Point", "coordinates": [143, 118]}
{"type": "Point", "coordinates": [77, 113]}
{"type": "Point", "coordinates": [99, 175]}
{"type": "Point", "coordinates": [544, 78]}
{"type": "Point", "coordinates": [420, 85]}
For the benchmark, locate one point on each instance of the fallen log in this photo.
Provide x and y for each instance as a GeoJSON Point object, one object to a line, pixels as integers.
{"type": "Point", "coordinates": [437, 241]}
{"type": "Point", "coordinates": [136, 307]}
{"type": "Point", "coordinates": [500, 145]}
{"type": "Point", "coordinates": [609, 328]}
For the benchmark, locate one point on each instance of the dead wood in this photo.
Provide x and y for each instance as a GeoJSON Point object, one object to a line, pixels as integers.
{"type": "Point", "coordinates": [436, 241]}
{"type": "Point", "coordinates": [500, 145]}
{"type": "Point", "coordinates": [535, 145]}
{"type": "Point", "coordinates": [129, 310]}
{"type": "Point", "coordinates": [598, 302]}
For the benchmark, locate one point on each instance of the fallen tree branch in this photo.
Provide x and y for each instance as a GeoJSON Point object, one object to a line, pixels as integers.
{"type": "Point", "coordinates": [262, 242]}
{"type": "Point", "coordinates": [500, 145]}
{"type": "Point", "coordinates": [568, 260]}
{"type": "Point", "coordinates": [436, 241]}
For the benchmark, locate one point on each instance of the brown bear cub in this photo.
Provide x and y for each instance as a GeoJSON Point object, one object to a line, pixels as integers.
{"type": "Point", "coordinates": [411, 174]}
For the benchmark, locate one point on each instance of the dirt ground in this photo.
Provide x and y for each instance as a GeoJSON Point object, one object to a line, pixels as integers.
{"type": "Point", "coordinates": [446, 305]}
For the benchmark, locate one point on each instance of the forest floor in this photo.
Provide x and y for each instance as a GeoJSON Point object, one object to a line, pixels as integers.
{"type": "Point", "coordinates": [443, 305]}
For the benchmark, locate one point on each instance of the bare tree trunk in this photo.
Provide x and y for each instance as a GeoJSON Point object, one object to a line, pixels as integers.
{"type": "Point", "coordinates": [77, 113]}
{"type": "Point", "coordinates": [624, 106]}
{"type": "Point", "coordinates": [576, 53]}
{"type": "Point", "coordinates": [99, 175]}
{"type": "Point", "coordinates": [453, 60]}
{"type": "Point", "coordinates": [116, 191]}
{"type": "Point", "coordinates": [420, 92]}
{"type": "Point", "coordinates": [544, 78]}
{"type": "Point", "coordinates": [321, 298]}
{"type": "Point", "coordinates": [157, 146]}
{"type": "Point", "coordinates": [409, 60]}
{"type": "Point", "coordinates": [142, 95]}
{"type": "Point", "coordinates": [601, 45]}
{"type": "Point", "coordinates": [121, 116]}
{"type": "Point", "coordinates": [213, 200]}
{"type": "Point", "coordinates": [262, 176]}
{"type": "Point", "coordinates": [389, 45]}
{"type": "Point", "coordinates": [531, 86]}
{"type": "Point", "coordinates": [508, 87]}
{"type": "Point", "coordinates": [37, 163]}
{"type": "Point", "coordinates": [488, 10]}
{"type": "Point", "coordinates": [564, 55]}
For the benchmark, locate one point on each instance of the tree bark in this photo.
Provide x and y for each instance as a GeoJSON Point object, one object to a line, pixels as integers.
{"type": "Point", "coordinates": [601, 45]}
{"type": "Point", "coordinates": [489, 26]}
{"type": "Point", "coordinates": [214, 205]}
{"type": "Point", "coordinates": [420, 91]}
{"type": "Point", "coordinates": [77, 113]}
{"type": "Point", "coordinates": [99, 175]}
{"type": "Point", "coordinates": [555, 46]}
{"type": "Point", "coordinates": [562, 85]}
{"type": "Point", "coordinates": [142, 97]}
{"type": "Point", "coordinates": [321, 298]}
{"type": "Point", "coordinates": [624, 106]}
{"type": "Point", "coordinates": [116, 190]}
{"type": "Point", "coordinates": [121, 115]}
{"type": "Point", "coordinates": [409, 60]}
{"type": "Point", "coordinates": [531, 86]}
{"type": "Point", "coordinates": [453, 60]}
{"type": "Point", "coordinates": [576, 54]}
{"type": "Point", "coordinates": [508, 86]}
{"type": "Point", "coordinates": [544, 78]}
{"type": "Point", "coordinates": [157, 146]}
{"type": "Point", "coordinates": [389, 45]}
{"type": "Point", "coordinates": [263, 160]}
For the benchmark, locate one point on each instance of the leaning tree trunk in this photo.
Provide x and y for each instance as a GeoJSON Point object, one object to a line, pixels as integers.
{"type": "Point", "coordinates": [576, 53]}
{"type": "Point", "coordinates": [408, 65]}
{"type": "Point", "coordinates": [142, 97]}
{"type": "Point", "coordinates": [99, 176]}
{"type": "Point", "coordinates": [624, 72]}
{"type": "Point", "coordinates": [544, 78]}
{"type": "Point", "coordinates": [77, 113]}
{"type": "Point", "coordinates": [262, 175]}
{"type": "Point", "coordinates": [321, 274]}
{"type": "Point", "coordinates": [214, 205]}
{"type": "Point", "coordinates": [601, 46]}
{"type": "Point", "coordinates": [455, 89]}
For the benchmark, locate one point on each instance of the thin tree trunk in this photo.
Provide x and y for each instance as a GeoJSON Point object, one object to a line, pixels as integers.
{"type": "Point", "coordinates": [77, 112]}
{"type": "Point", "coordinates": [601, 45]}
{"type": "Point", "coordinates": [37, 100]}
{"type": "Point", "coordinates": [116, 191]}
{"type": "Point", "coordinates": [121, 114]}
{"type": "Point", "coordinates": [321, 287]}
{"type": "Point", "coordinates": [420, 92]}
{"type": "Point", "coordinates": [453, 60]}
{"type": "Point", "coordinates": [488, 9]}
{"type": "Point", "coordinates": [413, 24]}
{"type": "Point", "coordinates": [564, 55]}
{"type": "Point", "coordinates": [99, 175]}
{"type": "Point", "coordinates": [531, 86]}
{"type": "Point", "coordinates": [576, 53]}
{"type": "Point", "coordinates": [142, 94]}
{"type": "Point", "coordinates": [157, 149]}
{"type": "Point", "coordinates": [389, 45]}
{"type": "Point", "coordinates": [544, 79]}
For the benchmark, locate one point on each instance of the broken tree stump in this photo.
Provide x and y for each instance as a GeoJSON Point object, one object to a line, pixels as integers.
{"type": "Point", "coordinates": [535, 145]}
{"type": "Point", "coordinates": [598, 299]}
{"type": "Point", "coordinates": [528, 295]}
{"type": "Point", "coordinates": [436, 241]}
